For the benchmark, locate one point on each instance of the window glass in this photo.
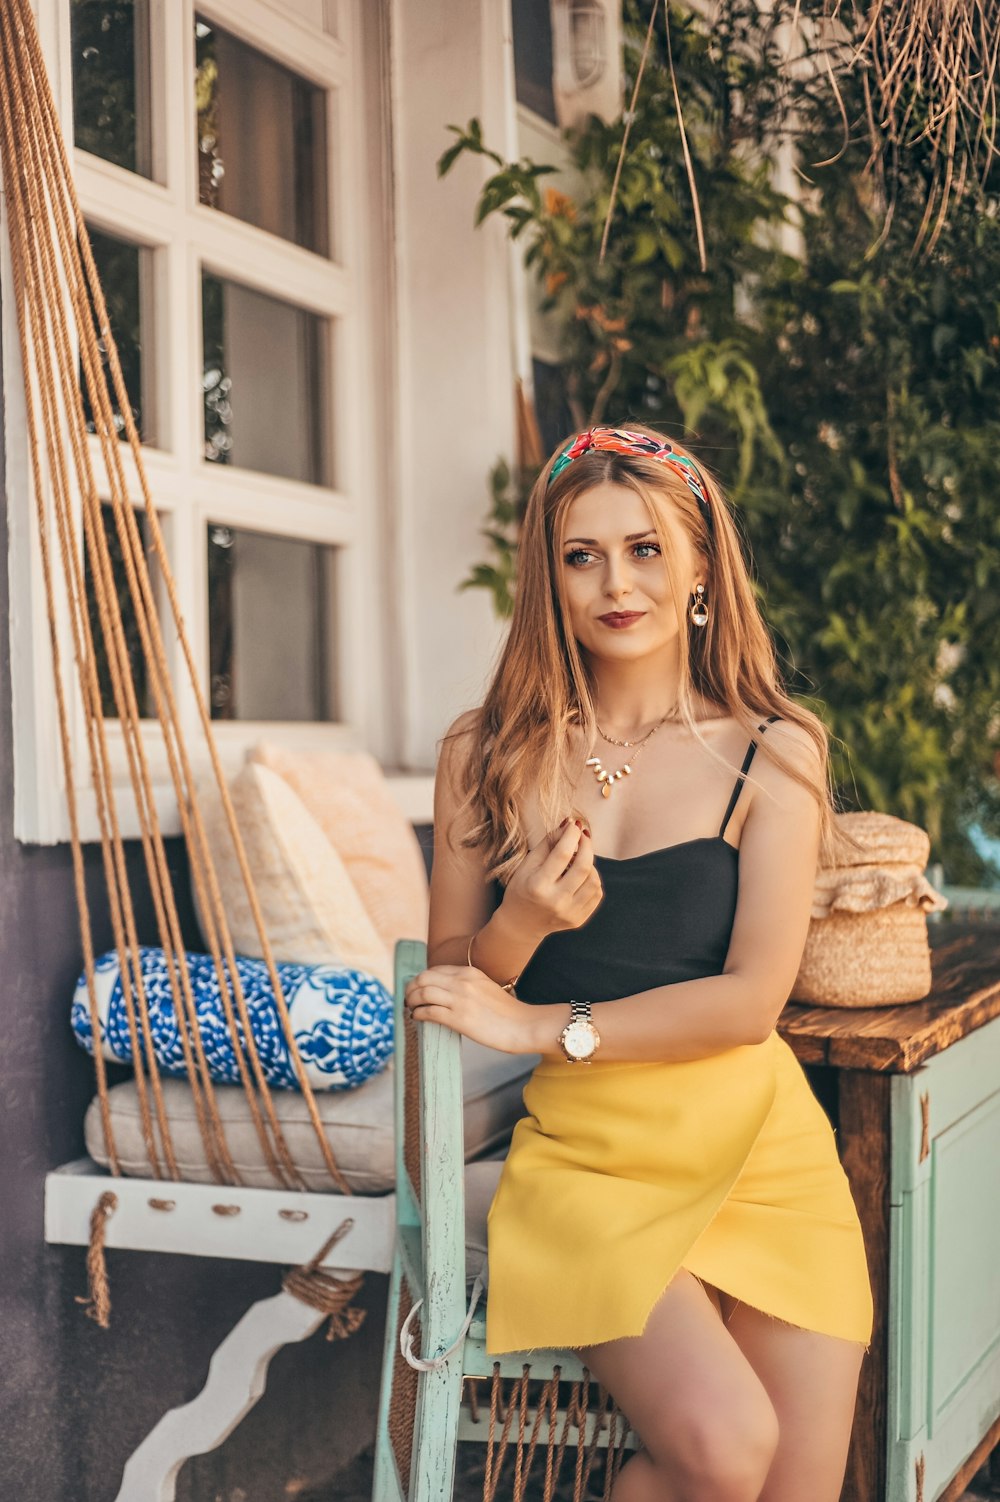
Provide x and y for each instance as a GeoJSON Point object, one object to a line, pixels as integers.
{"type": "Point", "coordinates": [555, 420]}
{"type": "Point", "coordinates": [264, 383]}
{"type": "Point", "coordinates": [270, 621]}
{"type": "Point", "coordinates": [262, 148]}
{"type": "Point", "coordinates": [111, 81]}
{"type": "Point", "coordinates": [124, 272]}
{"type": "Point", "coordinates": [532, 21]}
{"type": "Point", "coordinates": [133, 642]}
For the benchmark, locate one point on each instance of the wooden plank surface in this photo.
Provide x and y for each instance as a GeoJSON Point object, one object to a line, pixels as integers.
{"type": "Point", "coordinates": [965, 994]}
{"type": "Point", "coordinates": [863, 1141]}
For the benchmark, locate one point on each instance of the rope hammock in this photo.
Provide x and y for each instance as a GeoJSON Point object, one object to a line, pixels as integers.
{"type": "Point", "coordinates": [66, 343]}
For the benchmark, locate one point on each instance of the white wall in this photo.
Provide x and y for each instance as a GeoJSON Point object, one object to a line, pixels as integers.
{"type": "Point", "coordinates": [455, 372]}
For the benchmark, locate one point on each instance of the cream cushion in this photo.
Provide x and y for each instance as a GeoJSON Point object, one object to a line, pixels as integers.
{"type": "Point", "coordinates": [311, 911]}
{"type": "Point", "coordinates": [481, 1180]}
{"type": "Point", "coordinates": [359, 1125]}
{"type": "Point", "coordinates": [347, 795]}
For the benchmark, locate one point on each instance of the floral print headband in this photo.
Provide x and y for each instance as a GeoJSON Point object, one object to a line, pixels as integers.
{"type": "Point", "coordinates": [624, 441]}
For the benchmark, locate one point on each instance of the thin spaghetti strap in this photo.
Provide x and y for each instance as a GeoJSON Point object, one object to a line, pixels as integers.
{"type": "Point", "coordinates": [741, 777]}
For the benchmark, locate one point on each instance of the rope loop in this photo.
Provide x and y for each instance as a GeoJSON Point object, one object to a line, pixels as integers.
{"type": "Point", "coordinates": [434, 1363]}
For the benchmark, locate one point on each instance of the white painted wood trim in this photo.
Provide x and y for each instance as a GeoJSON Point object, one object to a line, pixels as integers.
{"type": "Point", "coordinates": [259, 1231]}
{"type": "Point", "coordinates": [236, 1380]}
{"type": "Point", "coordinates": [183, 235]}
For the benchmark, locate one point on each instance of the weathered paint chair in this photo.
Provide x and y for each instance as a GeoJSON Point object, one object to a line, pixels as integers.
{"type": "Point", "coordinates": [435, 1349]}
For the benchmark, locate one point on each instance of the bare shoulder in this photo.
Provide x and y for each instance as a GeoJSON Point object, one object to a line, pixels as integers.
{"type": "Point", "coordinates": [467, 720]}
{"type": "Point", "coordinates": [803, 755]}
{"type": "Point", "coordinates": [450, 781]}
{"type": "Point", "coordinates": [456, 743]}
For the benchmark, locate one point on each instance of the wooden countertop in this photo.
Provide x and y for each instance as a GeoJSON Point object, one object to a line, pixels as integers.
{"type": "Point", "coordinates": [965, 994]}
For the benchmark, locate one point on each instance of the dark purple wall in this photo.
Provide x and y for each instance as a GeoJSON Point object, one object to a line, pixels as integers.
{"type": "Point", "coordinates": [75, 1400]}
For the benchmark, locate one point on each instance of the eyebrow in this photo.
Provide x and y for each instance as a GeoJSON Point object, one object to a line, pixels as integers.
{"type": "Point", "coordinates": [632, 537]}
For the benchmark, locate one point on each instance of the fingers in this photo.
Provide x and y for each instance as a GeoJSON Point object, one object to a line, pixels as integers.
{"type": "Point", "coordinates": [428, 996]}
{"type": "Point", "coordinates": [432, 987]}
{"type": "Point", "coordinates": [572, 846]}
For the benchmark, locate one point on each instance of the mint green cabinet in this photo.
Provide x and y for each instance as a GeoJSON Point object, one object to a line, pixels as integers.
{"type": "Point", "coordinates": [943, 1357]}
{"type": "Point", "coordinates": [913, 1092]}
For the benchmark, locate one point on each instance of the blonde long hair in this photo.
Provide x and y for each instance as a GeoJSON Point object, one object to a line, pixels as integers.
{"type": "Point", "coordinates": [541, 689]}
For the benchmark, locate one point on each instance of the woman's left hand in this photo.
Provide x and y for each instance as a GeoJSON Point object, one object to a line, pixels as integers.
{"type": "Point", "coordinates": [466, 1000]}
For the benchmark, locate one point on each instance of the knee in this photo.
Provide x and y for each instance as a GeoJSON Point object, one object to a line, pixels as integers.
{"type": "Point", "coordinates": [722, 1455]}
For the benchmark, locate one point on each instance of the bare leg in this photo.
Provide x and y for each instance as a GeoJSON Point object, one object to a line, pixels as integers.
{"type": "Point", "coordinates": [812, 1381]}
{"type": "Point", "coordinates": [708, 1428]}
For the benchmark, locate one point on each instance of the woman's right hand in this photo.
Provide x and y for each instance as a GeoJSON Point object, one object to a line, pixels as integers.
{"type": "Point", "coordinates": [556, 886]}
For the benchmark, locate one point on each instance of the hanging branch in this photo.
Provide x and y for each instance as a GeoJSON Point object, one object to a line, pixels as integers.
{"type": "Point", "coordinates": [932, 67]}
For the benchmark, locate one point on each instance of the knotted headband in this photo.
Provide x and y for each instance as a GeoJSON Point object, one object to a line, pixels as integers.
{"type": "Point", "coordinates": [624, 441]}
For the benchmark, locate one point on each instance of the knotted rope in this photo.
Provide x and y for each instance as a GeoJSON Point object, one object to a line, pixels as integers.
{"type": "Point", "coordinates": [326, 1291]}
{"type": "Point", "coordinates": [97, 1304]}
{"type": "Point", "coordinates": [434, 1363]}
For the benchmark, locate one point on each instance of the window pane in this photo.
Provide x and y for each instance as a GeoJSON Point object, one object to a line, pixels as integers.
{"type": "Point", "coordinates": [110, 42]}
{"type": "Point", "coordinates": [124, 272]}
{"type": "Point", "coordinates": [262, 149]}
{"type": "Point", "coordinates": [532, 21]}
{"type": "Point", "coordinates": [270, 612]}
{"type": "Point", "coordinates": [555, 420]}
{"type": "Point", "coordinates": [264, 383]}
{"type": "Point", "coordinates": [133, 641]}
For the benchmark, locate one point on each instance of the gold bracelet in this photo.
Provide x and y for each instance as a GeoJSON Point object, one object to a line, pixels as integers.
{"type": "Point", "coordinates": [508, 986]}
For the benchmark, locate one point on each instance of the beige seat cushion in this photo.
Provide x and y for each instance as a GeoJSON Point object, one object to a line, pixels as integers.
{"type": "Point", "coordinates": [346, 793]}
{"type": "Point", "coordinates": [312, 913]}
{"type": "Point", "coordinates": [359, 1125]}
{"type": "Point", "coordinates": [481, 1181]}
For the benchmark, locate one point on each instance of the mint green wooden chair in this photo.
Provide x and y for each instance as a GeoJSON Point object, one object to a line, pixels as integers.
{"type": "Point", "coordinates": [547, 1407]}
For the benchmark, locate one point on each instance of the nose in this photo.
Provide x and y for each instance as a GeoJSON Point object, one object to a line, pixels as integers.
{"type": "Point", "coordinates": [616, 581]}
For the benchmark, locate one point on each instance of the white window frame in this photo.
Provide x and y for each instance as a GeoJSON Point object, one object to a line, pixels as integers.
{"type": "Point", "coordinates": [189, 492]}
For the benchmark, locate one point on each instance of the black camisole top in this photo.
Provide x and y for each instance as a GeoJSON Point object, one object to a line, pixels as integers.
{"type": "Point", "coordinates": [667, 915]}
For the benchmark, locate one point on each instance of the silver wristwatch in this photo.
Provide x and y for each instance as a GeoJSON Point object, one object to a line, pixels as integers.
{"type": "Point", "coordinates": [579, 1039]}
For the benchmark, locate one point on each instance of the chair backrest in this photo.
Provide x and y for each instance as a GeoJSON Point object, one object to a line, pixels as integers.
{"type": "Point", "coordinates": [430, 1157]}
{"type": "Point", "coordinates": [420, 1411]}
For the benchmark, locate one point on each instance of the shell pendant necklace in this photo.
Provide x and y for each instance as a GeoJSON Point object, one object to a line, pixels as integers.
{"type": "Point", "coordinates": [608, 779]}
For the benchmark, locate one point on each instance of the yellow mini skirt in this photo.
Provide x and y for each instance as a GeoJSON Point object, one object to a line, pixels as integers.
{"type": "Point", "coordinates": [621, 1174]}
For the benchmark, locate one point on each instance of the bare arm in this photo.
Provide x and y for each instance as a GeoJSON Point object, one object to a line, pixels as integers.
{"type": "Point", "coordinates": [690, 1019]}
{"type": "Point", "coordinates": [461, 905]}
{"type": "Point", "coordinates": [555, 885]}
{"type": "Point", "coordinates": [779, 850]}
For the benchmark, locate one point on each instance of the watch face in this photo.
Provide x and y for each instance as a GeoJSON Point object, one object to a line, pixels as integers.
{"type": "Point", "coordinates": [578, 1039]}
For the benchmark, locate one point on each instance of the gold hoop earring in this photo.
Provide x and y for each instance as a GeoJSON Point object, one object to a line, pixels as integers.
{"type": "Point", "coordinates": [699, 610]}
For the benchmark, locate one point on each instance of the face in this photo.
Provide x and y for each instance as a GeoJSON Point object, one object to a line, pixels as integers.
{"type": "Point", "coordinates": [611, 567]}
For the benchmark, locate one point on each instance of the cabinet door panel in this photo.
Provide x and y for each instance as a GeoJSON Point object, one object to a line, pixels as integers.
{"type": "Point", "coordinates": [944, 1325]}
{"type": "Point", "coordinates": [965, 1275]}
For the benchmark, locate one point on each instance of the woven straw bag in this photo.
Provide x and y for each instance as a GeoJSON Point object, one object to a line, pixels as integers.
{"type": "Point", "coordinates": [867, 944]}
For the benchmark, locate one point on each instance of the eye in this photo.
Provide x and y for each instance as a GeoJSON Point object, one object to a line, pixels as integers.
{"type": "Point", "coordinates": [578, 553]}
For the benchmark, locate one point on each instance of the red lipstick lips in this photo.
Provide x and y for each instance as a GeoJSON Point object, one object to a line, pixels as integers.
{"type": "Point", "coordinates": [619, 618]}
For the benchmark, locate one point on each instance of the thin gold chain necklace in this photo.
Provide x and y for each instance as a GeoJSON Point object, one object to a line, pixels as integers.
{"type": "Point", "coordinates": [608, 779]}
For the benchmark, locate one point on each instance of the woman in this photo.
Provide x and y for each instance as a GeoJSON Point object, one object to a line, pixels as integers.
{"type": "Point", "coordinates": [672, 1205]}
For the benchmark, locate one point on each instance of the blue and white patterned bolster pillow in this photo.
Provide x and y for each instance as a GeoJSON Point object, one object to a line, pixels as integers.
{"type": "Point", "coordinates": [341, 1019]}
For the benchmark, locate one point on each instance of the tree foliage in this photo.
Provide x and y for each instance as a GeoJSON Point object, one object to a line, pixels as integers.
{"type": "Point", "coordinates": [848, 395]}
